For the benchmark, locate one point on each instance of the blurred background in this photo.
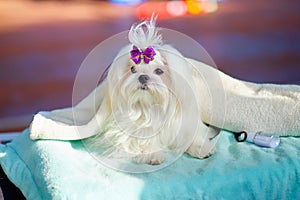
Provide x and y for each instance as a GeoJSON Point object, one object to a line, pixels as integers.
{"type": "Point", "coordinates": [43, 43]}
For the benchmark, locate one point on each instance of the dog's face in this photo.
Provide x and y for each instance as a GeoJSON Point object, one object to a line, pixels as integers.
{"type": "Point", "coordinates": [141, 84]}
{"type": "Point", "coordinates": [148, 76]}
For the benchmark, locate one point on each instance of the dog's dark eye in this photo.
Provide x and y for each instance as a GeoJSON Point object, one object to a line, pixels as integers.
{"type": "Point", "coordinates": [133, 70]}
{"type": "Point", "coordinates": [158, 71]}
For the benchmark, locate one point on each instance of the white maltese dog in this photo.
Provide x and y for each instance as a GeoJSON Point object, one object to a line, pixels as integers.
{"type": "Point", "coordinates": [151, 104]}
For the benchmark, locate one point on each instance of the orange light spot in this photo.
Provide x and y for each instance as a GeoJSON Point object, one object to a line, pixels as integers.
{"type": "Point", "coordinates": [194, 7]}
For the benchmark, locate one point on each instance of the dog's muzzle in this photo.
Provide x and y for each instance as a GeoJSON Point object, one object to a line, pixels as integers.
{"type": "Point", "coordinates": [143, 79]}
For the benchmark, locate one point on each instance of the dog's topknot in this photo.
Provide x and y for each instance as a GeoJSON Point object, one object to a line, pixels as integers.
{"type": "Point", "coordinates": [145, 34]}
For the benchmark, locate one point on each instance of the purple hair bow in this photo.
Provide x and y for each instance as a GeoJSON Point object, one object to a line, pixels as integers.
{"type": "Point", "coordinates": [147, 55]}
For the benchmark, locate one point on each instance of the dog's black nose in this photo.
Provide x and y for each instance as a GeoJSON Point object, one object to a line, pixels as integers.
{"type": "Point", "coordinates": [143, 79]}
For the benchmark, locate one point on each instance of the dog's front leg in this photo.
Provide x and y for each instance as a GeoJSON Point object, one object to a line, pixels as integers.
{"type": "Point", "coordinates": [204, 142]}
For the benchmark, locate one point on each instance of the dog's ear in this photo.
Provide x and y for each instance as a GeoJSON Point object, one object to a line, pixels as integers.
{"type": "Point", "coordinates": [183, 87]}
{"type": "Point", "coordinates": [180, 70]}
{"type": "Point", "coordinates": [118, 67]}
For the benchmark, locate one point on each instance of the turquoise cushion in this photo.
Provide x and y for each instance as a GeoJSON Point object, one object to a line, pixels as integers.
{"type": "Point", "coordinates": [65, 170]}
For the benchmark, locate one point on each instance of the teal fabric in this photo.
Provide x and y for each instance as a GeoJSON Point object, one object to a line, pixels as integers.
{"type": "Point", "coordinates": [65, 170]}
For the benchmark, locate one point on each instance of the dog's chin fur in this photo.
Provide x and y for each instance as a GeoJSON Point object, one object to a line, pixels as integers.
{"type": "Point", "coordinates": [145, 121]}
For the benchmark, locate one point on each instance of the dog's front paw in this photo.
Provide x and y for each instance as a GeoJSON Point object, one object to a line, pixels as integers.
{"type": "Point", "coordinates": [201, 151]}
{"type": "Point", "coordinates": [151, 159]}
